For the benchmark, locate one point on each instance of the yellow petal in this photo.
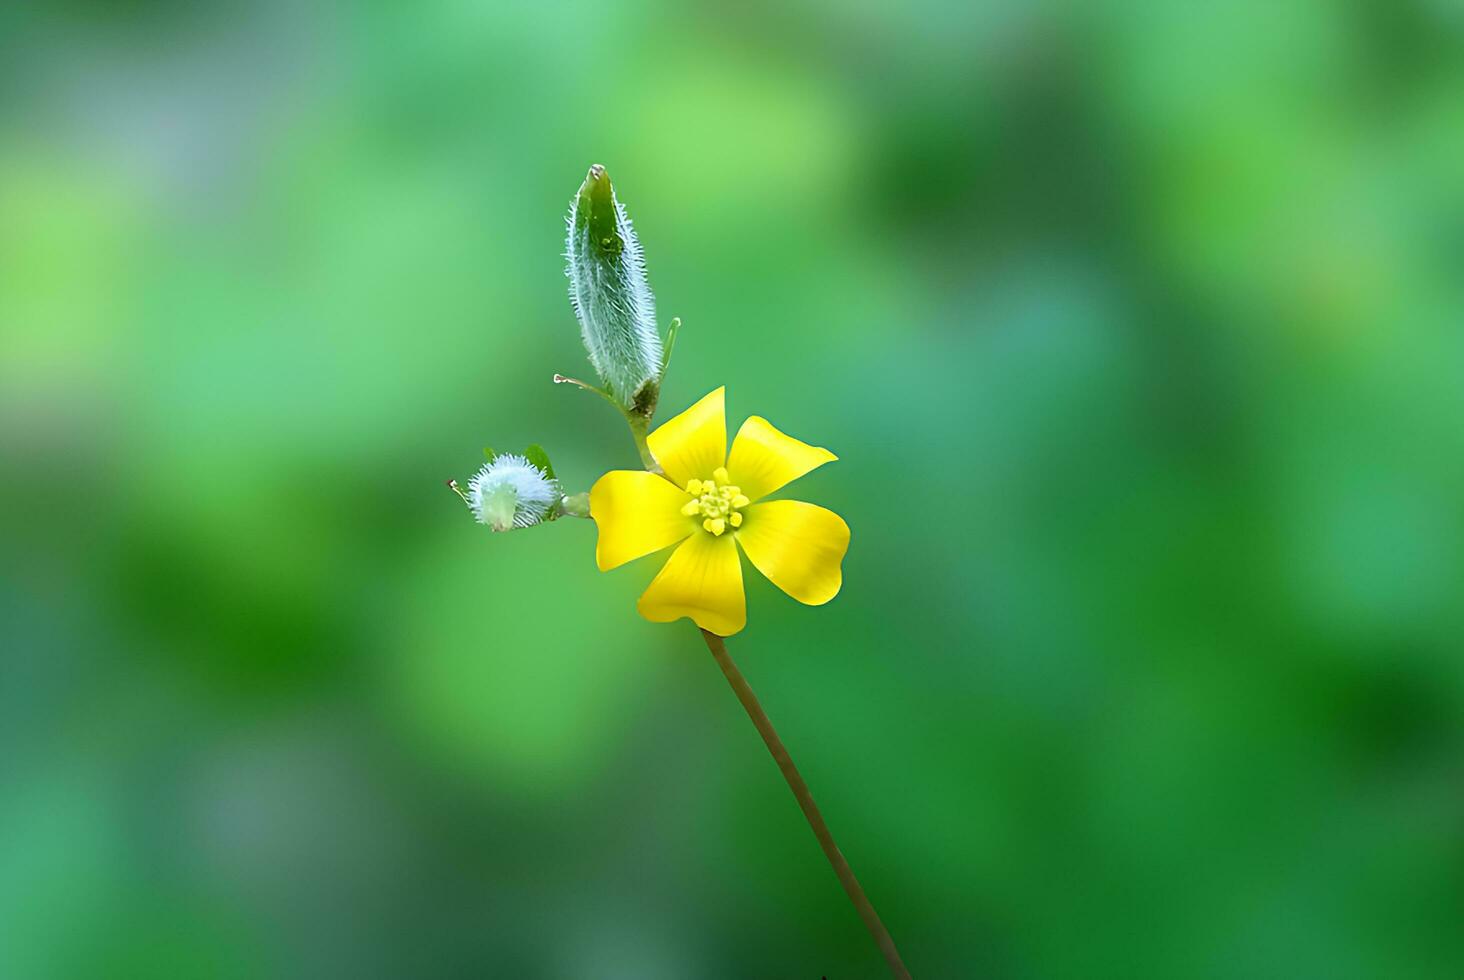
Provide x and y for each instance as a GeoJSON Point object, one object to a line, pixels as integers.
{"type": "Point", "coordinates": [798, 546]}
{"type": "Point", "coordinates": [703, 580]}
{"type": "Point", "coordinates": [637, 513]}
{"type": "Point", "coordinates": [764, 459]}
{"type": "Point", "coordinates": [694, 443]}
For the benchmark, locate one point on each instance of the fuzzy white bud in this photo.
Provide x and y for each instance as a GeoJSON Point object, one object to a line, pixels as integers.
{"type": "Point", "coordinates": [511, 492]}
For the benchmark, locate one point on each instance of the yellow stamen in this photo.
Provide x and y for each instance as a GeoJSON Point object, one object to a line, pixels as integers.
{"type": "Point", "coordinates": [716, 502]}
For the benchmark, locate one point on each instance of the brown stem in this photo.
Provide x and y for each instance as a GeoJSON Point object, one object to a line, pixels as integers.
{"type": "Point", "coordinates": [805, 800]}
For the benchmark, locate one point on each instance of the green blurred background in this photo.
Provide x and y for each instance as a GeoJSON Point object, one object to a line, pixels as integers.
{"type": "Point", "coordinates": [1136, 326]}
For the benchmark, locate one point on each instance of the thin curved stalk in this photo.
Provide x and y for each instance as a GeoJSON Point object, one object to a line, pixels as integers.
{"type": "Point", "coordinates": [805, 801]}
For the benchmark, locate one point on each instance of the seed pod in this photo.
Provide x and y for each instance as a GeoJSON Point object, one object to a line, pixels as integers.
{"type": "Point", "coordinates": [611, 298]}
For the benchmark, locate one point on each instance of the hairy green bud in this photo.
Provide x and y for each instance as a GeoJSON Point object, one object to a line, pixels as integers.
{"type": "Point", "coordinates": [611, 298]}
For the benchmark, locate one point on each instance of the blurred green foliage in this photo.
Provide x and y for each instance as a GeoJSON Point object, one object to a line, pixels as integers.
{"type": "Point", "coordinates": [1136, 326]}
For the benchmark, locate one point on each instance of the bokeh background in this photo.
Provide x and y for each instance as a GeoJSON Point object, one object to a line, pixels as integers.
{"type": "Point", "coordinates": [1137, 327]}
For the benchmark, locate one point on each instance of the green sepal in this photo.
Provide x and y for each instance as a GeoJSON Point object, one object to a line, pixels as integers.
{"type": "Point", "coordinates": [671, 332]}
{"type": "Point", "coordinates": [535, 454]}
{"type": "Point", "coordinates": [489, 453]}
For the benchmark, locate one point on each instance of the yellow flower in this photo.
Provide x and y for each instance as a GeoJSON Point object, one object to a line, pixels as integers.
{"type": "Point", "coordinates": [706, 500]}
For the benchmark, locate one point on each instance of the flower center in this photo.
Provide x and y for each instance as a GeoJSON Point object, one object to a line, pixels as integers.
{"type": "Point", "coordinates": [716, 501]}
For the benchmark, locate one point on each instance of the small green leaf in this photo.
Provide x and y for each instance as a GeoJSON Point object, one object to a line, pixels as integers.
{"type": "Point", "coordinates": [535, 454]}
{"type": "Point", "coordinates": [488, 452]}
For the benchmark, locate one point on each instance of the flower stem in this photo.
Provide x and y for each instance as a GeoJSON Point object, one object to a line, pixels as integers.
{"type": "Point", "coordinates": [639, 425]}
{"type": "Point", "coordinates": [805, 800]}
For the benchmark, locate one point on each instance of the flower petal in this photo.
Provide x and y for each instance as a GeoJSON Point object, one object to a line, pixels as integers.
{"type": "Point", "coordinates": [637, 513]}
{"type": "Point", "coordinates": [703, 580]}
{"type": "Point", "coordinates": [694, 443]}
{"type": "Point", "coordinates": [798, 546]}
{"type": "Point", "coordinates": [764, 459]}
